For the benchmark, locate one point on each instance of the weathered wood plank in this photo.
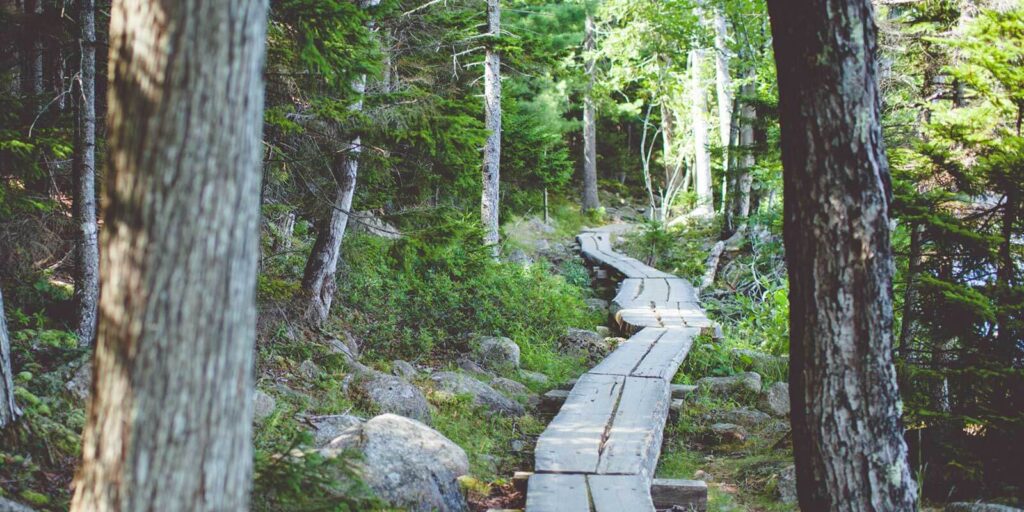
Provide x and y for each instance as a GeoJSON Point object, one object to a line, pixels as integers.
{"type": "Point", "coordinates": [634, 440]}
{"type": "Point", "coordinates": [689, 494]}
{"type": "Point", "coordinates": [557, 493]}
{"type": "Point", "coordinates": [629, 354]}
{"type": "Point", "coordinates": [680, 290]}
{"type": "Point", "coordinates": [667, 354]}
{"type": "Point", "coordinates": [620, 494]}
{"type": "Point", "coordinates": [655, 290]}
{"type": "Point", "coordinates": [572, 441]}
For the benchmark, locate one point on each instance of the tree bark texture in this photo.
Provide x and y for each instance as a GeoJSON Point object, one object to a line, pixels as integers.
{"type": "Point", "coordinates": [492, 120]}
{"type": "Point", "coordinates": [590, 197]}
{"type": "Point", "coordinates": [9, 411]}
{"type": "Point", "coordinates": [699, 122]}
{"type": "Point", "coordinates": [851, 454]}
{"type": "Point", "coordinates": [169, 424]}
{"type": "Point", "coordinates": [87, 284]}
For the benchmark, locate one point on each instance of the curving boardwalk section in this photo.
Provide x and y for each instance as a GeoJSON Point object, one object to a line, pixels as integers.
{"type": "Point", "coordinates": [600, 452]}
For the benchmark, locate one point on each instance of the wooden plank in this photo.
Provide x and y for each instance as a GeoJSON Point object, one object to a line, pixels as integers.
{"type": "Point", "coordinates": [629, 354]}
{"type": "Point", "coordinates": [634, 440]}
{"type": "Point", "coordinates": [620, 494]}
{"type": "Point", "coordinates": [629, 290]}
{"type": "Point", "coordinates": [680, 290]}
{"type": "Point", "coordinates": [689, 494]}
{"type": "Point", "coordinates": [655, 290]}
{"type": "Point", "coordinates": [572, 441]}
{"type": "Point", "coordinates": [557, 493]}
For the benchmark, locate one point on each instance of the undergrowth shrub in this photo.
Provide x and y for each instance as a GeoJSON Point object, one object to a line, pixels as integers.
{"type": "Point", "coordinates": [430, 289]}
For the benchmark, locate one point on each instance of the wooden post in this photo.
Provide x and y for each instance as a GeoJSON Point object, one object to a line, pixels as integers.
{"type": "Point", "coordinates": [689, 494]}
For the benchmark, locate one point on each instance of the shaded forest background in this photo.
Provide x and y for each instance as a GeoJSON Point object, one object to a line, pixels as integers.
{"type": "Point", "coordinates": [953, 83]}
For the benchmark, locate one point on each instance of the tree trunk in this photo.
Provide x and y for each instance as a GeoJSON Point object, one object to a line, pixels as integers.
{"type": "Point", "coordinates": [492, 120]}
{"type": "Point", "coordinates": [169, 424]}
{"type": "Point", "coordinates": [672, 167]}
{"type": "Point", "coordinates": [740, 209]}
{"type": "Point", "coordinates": [846, 413]}
{"type": "Point", "coordinates": [723, 88]}
{"type": "Point", "coordinates": [910, 293]}
{"type": "Point", "coordinates": [702, 159]}
{"type": "Point", "coordinates": [87, 286]}
{"type": "Point", "coordinates": [590, 198]}
{"type": "Point", "coordinates": [9, 411]}
{"type": "Point", "coordinates": [318, 284]}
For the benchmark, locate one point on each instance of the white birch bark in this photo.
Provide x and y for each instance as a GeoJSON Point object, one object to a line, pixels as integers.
{"type": "Point", "coordinates": [698, 120]}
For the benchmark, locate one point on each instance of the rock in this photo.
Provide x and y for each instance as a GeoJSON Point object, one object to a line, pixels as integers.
{"type": "Point", "coordinates": [519, 257]}
{"type": "Point", "coordinates": [309, 370]}
{"type": "Point", "coordinates": [497, 353]}
{"type": "Point", "coordinates": [786, 485]}
{"type": "Point", "coordinates": [263, 405]}
{"type": "Point", "coordinates": [535, 377]}
{"type": "Point", "coordinates": [541, 244]}
{"type": "Point", "coordinates": [700, 474]}
{"type": "Point", "coordinates": [598, 305]}
{"type": "Point", "coordinates": [979, 507]}
{"type": "Point", "coordinates": [369, 223]}
{"type": "Point", "coordinates": [404, 370]}
{"type": "Point", "coordinates": [723, 386]}
{"type": "Point", "coordinates": [328, 428]}
{"type": "Point", "coordinates": [390, 394]}
{"type": "Point", "coordinates": [579, 338]}
{"type": "Point", "coordinates": [603, 331]}
{"type": "Point", "coordinates": [588, 342]}
{"type": "Point", "coordinates": [406, 463]}
{"type": "Point", "coordinates": [472, 367]}
{"type": "Point", "coordinates": [80, 384]}
{"type": "Point", "coordinates": [482, 394]}
{"type": "Point", "coordinates": [537, 225]}
{"type": "Point", "coordinates": [510, 387]}
{"type": "Point", "coordinates": [743, 416]}
{"type": "Point", "coordinates": [347, 345]}
{"type": "Point", "coordinates": [756, 359]}
{"type": "Point", "coordinates": [775, 399]}
{"type": "Point", "coordinates": [7, 505]}
{"type": "Point", "coordinates": [729, 432]}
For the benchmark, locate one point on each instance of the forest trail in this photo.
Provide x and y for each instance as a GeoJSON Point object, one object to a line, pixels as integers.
{"type": "Point", "coordinates": [601, 451]}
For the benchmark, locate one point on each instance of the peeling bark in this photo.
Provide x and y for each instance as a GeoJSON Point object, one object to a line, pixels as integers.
{"type": "Point", "coordinates": [846, 412]}
{"type": "Point", "coordinates": [169, 423]}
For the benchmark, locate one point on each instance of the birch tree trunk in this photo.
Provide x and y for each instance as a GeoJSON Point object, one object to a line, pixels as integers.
{"type": "Point", "coordinates": [492, 120]}
{"type": "Point", "coordinates": [590, 197]}
{"type": "Point", "coordinates": [87, 284]}
{"type": "Point", "coordinates": [723, 88]}
{"type": "Point", "coordinates": [318, 285]}
{"type": "Point", "coordinates": [9, 411]}
{"type": "Point", "coordinates": [698, 119]}
{"type": "Point", "coordinates": [851, 454]}
{"type": "Point", "coordinates": [739, 208]}
{"type": "Point", "coordinates": [169, 424]}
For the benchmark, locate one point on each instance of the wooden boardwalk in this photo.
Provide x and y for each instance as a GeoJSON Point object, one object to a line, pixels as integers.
{"type": "Point", "coordinates": [600, 452]}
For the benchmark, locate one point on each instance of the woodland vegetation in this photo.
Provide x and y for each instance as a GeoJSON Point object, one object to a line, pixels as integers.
{"type": "Point", "coordinates": [227, 228]}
